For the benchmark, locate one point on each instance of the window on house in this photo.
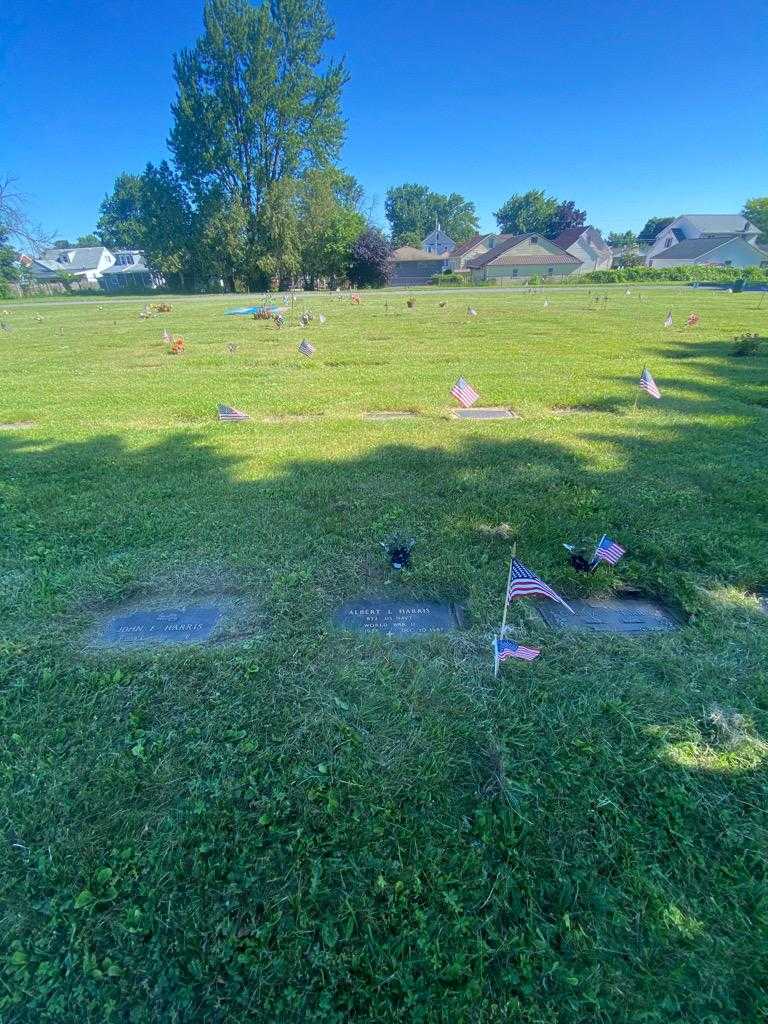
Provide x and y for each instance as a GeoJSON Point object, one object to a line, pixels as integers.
{"type": "Point", "coordinates": [550, 270]}
{"type": "Point", "coordinates": [667, 243]}
{"type": "Point", "coordinates": [63, 258]}
{"type": "Point", "coordinates": [534, 238]}
{"type": "Point", "coordinates": [124, 259]}
{"type": "Point", "coordinates": [514, 271]}
{"type": "Point", "coordinates": [727, 263]}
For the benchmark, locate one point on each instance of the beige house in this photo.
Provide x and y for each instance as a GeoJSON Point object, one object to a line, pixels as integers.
{"type": "Point", "coordinates": [521, 257]}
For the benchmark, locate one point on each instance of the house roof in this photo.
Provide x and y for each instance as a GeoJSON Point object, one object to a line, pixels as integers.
{"type": "Point", "coordinates": [464, 247]}
{"type": "Point", "coordinates": [410, 252]}
{"type": "Point", "coordinates": [139, 265]}
{"type": "Point", "coordinates": [525, 259]}
{"type": "Point", "coordinates": [690, 248]}
{"type": "Point", "coordinates": [719, 223]}
{"type": "Point", "coordinates": [566, 238]}
{"type": "Point", "coordinates": [83, 258]}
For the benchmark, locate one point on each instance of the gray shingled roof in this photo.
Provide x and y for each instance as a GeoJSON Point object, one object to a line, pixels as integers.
{"type": "Point", "coordinates": [719, 223]}
{"type": "Point", "coordinates": [139, 266]}
{"type": "Point", "coordinates": [690, 248]}
{"type": "Point", "coordinates": [85, 258]}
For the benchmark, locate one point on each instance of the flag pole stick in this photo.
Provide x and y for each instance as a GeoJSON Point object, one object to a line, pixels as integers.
{"type": "Point", "coordinates": [506, 591]}
{"type": "Point", "coordinates": [495, 659]}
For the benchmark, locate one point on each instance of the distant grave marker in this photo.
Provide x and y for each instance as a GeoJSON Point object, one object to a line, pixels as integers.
{"type": "Point", "coordinates": [385, 416]}
{"type": "Point", "coordinates": [166, 626]}
{"type": "Point", "coordinates": [18, 425]}
{"type": "Point", "coordinates": [629, 616]}
{"type": "Point", "coordinates": [399, 618]}
{"type": "Point", "coordinates": [485, 414]}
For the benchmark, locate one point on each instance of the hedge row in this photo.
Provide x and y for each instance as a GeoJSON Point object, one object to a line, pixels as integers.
{"type": "Point", "coordinates": [685, 273]}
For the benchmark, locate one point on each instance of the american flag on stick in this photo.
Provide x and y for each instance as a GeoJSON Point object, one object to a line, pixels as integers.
{"type": "Point", "coordinates": [608, 550]}
{"type": "Point", "coordinates": [647, 383]}
{"type": "Point", "coordinates": [167, 336]}
{"type": "Point", "coordinates": [524, 583]}
{"type": "Point", "coordinates": [505, 649]}
{"type": "Point", "coordinates": [464, 393]}
{"type": "Point", "coordinates": [307, 348]}
{"type": "Point", "coordinates": [228, 414]}
{"type": "Point", "coordinates": [668, 319]}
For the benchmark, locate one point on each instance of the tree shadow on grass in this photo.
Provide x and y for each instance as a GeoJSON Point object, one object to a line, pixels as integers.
{"type": "Point", "coordinates": [312, 809]}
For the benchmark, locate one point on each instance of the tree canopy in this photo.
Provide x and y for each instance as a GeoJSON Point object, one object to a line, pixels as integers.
{"type": "Point", "coordinates": [253, 105]}
{"type": "Point", "coordinates": [536, 211]}
{"type": "Point", "coordinates": [121, 223]}
{"type": "Point", "coordinates": [756, 210]}
{"type": "Point", "coordinates": [653, 226]}
{"type": "Point", "coordinates": [413, 210]}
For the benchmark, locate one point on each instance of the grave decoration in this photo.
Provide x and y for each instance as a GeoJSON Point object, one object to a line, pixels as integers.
{"type": "Point", "coordinates": [648, 384]}
{"type": "Point", "coordinates": [503, 650]}
{"type": "Point", "coordinates": [606, 550]}
{"type": "Point", "coordinates": [578, 556]}
{"type": "Point", "coordinates": [306, 348]}
{"type": "Point", "coordinates": [410, 303]}
{"type": "Point", "coordinates": [4, 326]}
{"type": "Point", "coordinates": [321, 319]}
{"type": "Point", "coordinates": [231, 348]}
{"type": "Point", "coordinates": [279, 320]}
{"type": "Point", "coordinates": [464, 393]}
{"type": "Point", "coordinates": [177, 346]}
{"type": "Point", "coordinates": [355, 299]}
{"type": "Point", "coordinates": [228, 414]}
{"type": "Point", "coordinates": [471, 311]}
{"type": "Point", "coordinates": [692, 320]}
{"type": "Point", "coordinates": [398, 549]}
{"type": "Point", "coordinates": [668, 319]}
{"type": "Point", "coordinates": [250, 310]}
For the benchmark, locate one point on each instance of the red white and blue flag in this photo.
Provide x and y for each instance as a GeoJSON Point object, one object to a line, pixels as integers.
{"type": "Point", "coordinates": [668, 319]}
{"type": "Point", "coordinates": [307, 348]}
{"type": "Point", "coordinates": [647, 383]}
{"type": "Point", "coordinates": [504, 649]}
{"type": "Point", "coordinates": [228, 414]}
{"type": "Point", "coordinates": [464, 393]}
{"type": "Point", "coordinates": [608, 550]}
{"type": "Point", "coordinates": [524, 583]}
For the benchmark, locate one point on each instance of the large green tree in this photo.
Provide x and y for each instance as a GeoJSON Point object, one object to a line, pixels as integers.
{"type": "Point", "coordinates": [413, 210]}
{"type": "Point", "coordinates": [167, 219]}
{"type": "Point", "coordinates": [121, 220]}
{"type": "Point", "coordinates": [329, 224]}
{"type": "Point", "coordinates": [256, 103]}
{"type": "Point", "coordinates": [536, 211]}
{"type": "Point", "coordinates": [756, 210]}
{"type": "Point", "coordinates": [8, 269]}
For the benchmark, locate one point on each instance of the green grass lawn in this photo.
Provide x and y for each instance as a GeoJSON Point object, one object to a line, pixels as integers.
{"type": "Point", "coordinates": [309, 825]}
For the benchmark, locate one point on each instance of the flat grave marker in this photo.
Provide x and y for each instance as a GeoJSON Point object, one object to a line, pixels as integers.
{"type": "Point", "coordinates": [403, 617]}
{"type": "Point", "coordinates": [166, 626]}
{"type": "Point", "coordinates": [485, 414]}
{"type": "Point", "coordinates": [18, 425]}
{"type": "Point", "coordinates": [384, 416]}
{"type": "Point", "coordinates": [628, 616]}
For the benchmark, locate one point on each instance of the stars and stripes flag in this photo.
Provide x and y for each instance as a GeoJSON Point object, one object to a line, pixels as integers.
{"type": "Point", "coordinates": [524, 583]}
{"type": "Point", "coordinates": [647, 383]}
{"type": "Point", "coordinates": [668, 319]}
{"type": "Point", "coordinates": [307, 348]}
{"type": "Point", "coordinates": [229, 414]}
{"type": "Point", "coordinates": [692, 320]}
{"type": "Point", "coordinates": [167, 336]}
{"type": "Point", "coordinates": [505, 649]}
{"type": "Point", "coordinates": [471, 311]}
{"type": "Point", "coordinates": [464, 393]}
{"type": "Point", "coordinates": [608, 550]}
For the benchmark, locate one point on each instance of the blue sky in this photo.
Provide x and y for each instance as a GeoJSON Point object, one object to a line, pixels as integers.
{"type": "Point", "coordinates": [630, 109]}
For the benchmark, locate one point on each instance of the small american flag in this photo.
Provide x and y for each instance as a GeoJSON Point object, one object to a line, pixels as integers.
{"type": "Point", "coordinates": [504, 649]}
{"type": "Point", "coordinates": [464, 393]}
{"type": "Point", "coordinates": [306, 348]}
{"type": "Point", "coordinates": [668, 320]}
{"type": "Point", "coordinates": [471, 311]}
{"type": "Point", "coordinates": [608, 550]}
{"type": "Point", "coordinates": [546, 303]}
{"type": "Point", "coordinates": [321, 319]}
{"type": "Point", "coordinates": [228, 414]}
{"type": "Point", "coordinates": [167, 336]}
{"type": "Point", "coordinates": [524, 583]}
{"type": "Point", "coordinates": [647, 383]}
{"type": "Point", "coordinates": [692, 320]}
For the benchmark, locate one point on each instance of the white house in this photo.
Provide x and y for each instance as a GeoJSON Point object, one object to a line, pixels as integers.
{"type": "Point", "coordinates": [87, 263]}
{"type": "Point", "coordinates": [587, 245]}
{"type": "Point", "coordinates": [522, 257]}
{"type": "Point", "coordinates": [129, 271]}
{"type": "Point", "coordinates": [719, 239]}
{"type": "Point", "coordinates": [438, 242]}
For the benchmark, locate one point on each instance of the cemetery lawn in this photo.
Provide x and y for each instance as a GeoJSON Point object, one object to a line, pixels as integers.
{"type": "Point", "coordinates": [305, 825]}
